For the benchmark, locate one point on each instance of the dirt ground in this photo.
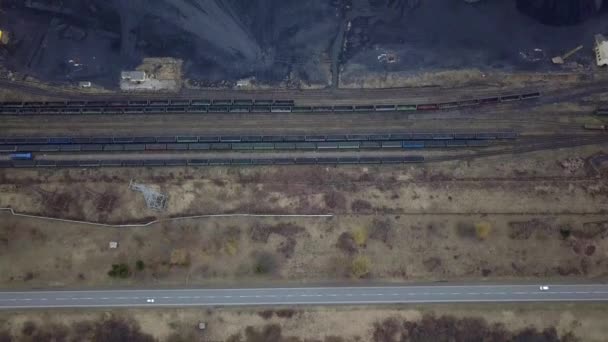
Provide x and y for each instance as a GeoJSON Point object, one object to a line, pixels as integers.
{"type": "Point", "coordinates": [538, 215]}
{"type": "Point", "coordinates": [580, 322]}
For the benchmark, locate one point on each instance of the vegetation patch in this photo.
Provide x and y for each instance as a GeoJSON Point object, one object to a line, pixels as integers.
{"type": "Point", "coordinates": [452, 329]}
{"type": "Point", "coordinates": [106, 330]}
{"type": "Point", "coordinates": [361, 266]}
{"type": "Point", "coordinates": [120, 271]}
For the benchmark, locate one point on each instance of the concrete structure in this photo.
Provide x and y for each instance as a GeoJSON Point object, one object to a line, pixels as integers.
{"type": "Point", "coordinates": [133, 76]}
{"type": "Point", "coordinates": [113, 244]}
{"type": "Point", "coordinates": [601, 50]}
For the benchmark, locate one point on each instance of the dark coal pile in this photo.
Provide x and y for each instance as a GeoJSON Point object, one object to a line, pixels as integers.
{"type": "Point", "coordinates": [560, 12]}
{"type": "Point", "coordinates": [221, 41]}
{"type": "Point", "coordinates": [93, 40]}
{"type": "Point", "coordinates": [430, 35]}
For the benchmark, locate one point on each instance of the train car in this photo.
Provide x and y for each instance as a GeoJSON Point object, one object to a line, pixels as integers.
{"type": "Point", "coordinates": [489, 100]}
{"type": "Point", "coordinates": [385, 108]}
{"type": "Point", "coordinates": [448, 105]}
{"type": "Point", "coordinates": [595, 127]}
{"type": "Point", "coordinates": [510, 98]}
{"type": "Point", "coordinates": [280, 109]}
{"type": "Point", "coordinates": [364, 108]}
{"type": "Point", "coordinates": [602, 111]}
{"type": "Point", "coordinates": [429, 106]}
{"type": "Point", "coordinates": [530, 96]}
{"type": "Point", "coordinates": [403, 107]}
{"type": "Point", "coordinates": [21, 156]}
{"type": "Point", "coordinates": [289, 103]}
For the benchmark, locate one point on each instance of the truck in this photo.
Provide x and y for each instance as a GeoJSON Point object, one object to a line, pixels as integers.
{"type": "Point", "coordinates": [21, 156]}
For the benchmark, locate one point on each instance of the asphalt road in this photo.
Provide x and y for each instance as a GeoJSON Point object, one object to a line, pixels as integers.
{"type": "Point", "coordinates": [303, 296]}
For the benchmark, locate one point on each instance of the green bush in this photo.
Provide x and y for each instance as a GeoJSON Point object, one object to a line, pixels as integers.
{"type": "Point", "coordinates": [361, 266]}
{"type": "Point", "coordinates": [265, 263]}
{"type": "Point", "coordinates": [120, 271]}
{"type": "Point", "coordinates": [139, 265]}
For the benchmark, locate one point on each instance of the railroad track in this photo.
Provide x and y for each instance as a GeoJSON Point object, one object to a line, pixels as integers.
{"type": "Point", "coordinates": [526, 145]}
{"type": "Point", "coordinates": [202, 106]}
{"type": "Point", "coordinates": [532, 145]}
{"type": "Point", "coordinates": [209, 162]}
{"type": "Point", "coordinates": [386, 141]}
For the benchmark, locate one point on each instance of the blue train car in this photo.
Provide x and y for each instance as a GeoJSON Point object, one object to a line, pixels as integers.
{"type": "Point", "coordinates": [21, 156]}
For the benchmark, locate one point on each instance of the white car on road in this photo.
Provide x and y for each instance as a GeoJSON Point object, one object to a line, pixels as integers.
{"type": "Point", "coordinates": [150, 300]}
{"type": "Point", "coordinates": [544, 288]}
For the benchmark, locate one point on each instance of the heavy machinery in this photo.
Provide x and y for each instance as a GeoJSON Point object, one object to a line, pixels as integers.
{"type": "Point", "coordinates": [4, 37]}
{"type": "Point", "coordinates": [562, 59]}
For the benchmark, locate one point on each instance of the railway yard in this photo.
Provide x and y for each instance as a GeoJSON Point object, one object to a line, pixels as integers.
{"type": "Point", "coordinates": [280, 188]}
{"type": "Point", "coordinates": [273, 171]}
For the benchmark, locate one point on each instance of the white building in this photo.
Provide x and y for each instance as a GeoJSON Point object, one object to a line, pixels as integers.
{"type": "Point", "coordinates": [601, 50]}
{"type": "Point", "coordinates": [133, 76]}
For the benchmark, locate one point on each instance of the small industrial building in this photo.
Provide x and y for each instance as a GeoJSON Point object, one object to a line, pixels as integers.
{"type": "Point", "coordinates": [601, 50]}
{"type": "Point", "coordinates": [133, 76]}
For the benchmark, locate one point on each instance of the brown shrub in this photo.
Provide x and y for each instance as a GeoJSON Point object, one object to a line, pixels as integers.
{"type": "Point", "coordinates": [266, 314]}
{"type": "Point", "coordinates": [431, 264]}
{"type": "Point", "coordinates": [180, 257]}
{"type": "Point", "coordinates": [287, 247]}
{"type": "Point", "coordinates": [465, 230]}
{"type": "Point", "coordinates": [523, 230]}
{"type": "Point", "coordinates": [335, 200]}
{"type": "Point", "coordinates": [451, 329]}
{"type": "Point", "coordinates": [346, 243]}
{"type": "Point", "coordinates": [115, 330]}
{"type": "Point", "coordinates": [286, 313]}
{"type": "Point", "coordinates": [5, 336]}
{"type": "Point", "coordinates": [592, 230]}
{"type": "Point", "coordinates": [261, 233]}
{"type": "Point", "coordinates": [387, 331]}
{"type": "Point", "coordinates": [265, 263]}
{"type": "Point", "coordinates": [268, 333]}
{"type": "Point", "coordinates": [360, 206]}
{"type": "Point", "coordinates": [567, 270]}
{"type": "Point", "coordinates": [383, 231]}
{"type": "Point", "coordinates": [331, 339]}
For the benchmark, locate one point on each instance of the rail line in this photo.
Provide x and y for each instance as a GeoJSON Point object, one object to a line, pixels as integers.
{"type": "Point", "coordinates": [525, 147]}
{"type": "Point", "coordinates": [529, 145]}
{"type": "Point", "coordinates": [41, 163]}
{"type": "Point", "coordinates": [203, 106]}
